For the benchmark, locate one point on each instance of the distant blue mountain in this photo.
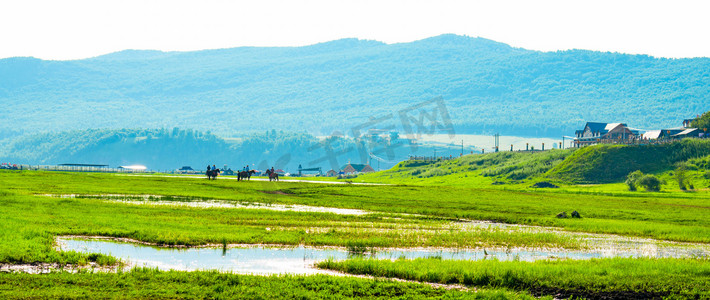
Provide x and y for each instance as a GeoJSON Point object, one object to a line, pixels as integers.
{"type": "Point", "coordinates": [169, 149]}
{"type": "Point", "coordinates": [487, 86]}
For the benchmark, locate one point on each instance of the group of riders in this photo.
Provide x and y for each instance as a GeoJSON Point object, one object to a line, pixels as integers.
{"type": "Point", "coordinates": [244, 174]}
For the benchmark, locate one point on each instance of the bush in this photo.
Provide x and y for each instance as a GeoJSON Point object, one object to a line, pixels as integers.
{"type": "Point", "coordinates": [650, 183]}
{"type": "Point", "coordinates": [633, 178]}
{"type": "Point", "coordinates": [631, 185]}
{"type": "Point", "coordinates": [544, 184]}
{"type": "Point", "coordinates": [681, 176]}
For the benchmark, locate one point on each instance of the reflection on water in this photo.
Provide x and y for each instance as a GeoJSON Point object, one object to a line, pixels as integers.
{"type": "Point", "coordinates": [292, 260]}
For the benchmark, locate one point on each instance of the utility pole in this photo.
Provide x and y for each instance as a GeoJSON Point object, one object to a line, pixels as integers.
{"type": "Point", "coordinates": [461, 147]}
{"type": "Point", "coordinates": [497, 136]}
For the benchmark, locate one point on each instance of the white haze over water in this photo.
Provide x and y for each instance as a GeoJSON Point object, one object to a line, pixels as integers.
{"type": "Point", "coordinates": [77, 29]}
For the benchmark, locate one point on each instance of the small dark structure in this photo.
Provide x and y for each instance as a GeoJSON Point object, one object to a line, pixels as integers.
{"type": "Point", "coordinates": [301, 170]}
{"type": "Point", "coordinates": [186, 170]}
{"type": "Point", "coordinates": [228, 171]}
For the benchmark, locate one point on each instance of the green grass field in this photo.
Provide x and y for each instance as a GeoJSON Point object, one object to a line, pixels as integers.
{"type": "Point", "coordinates": [151, 284]}
{"type": "Point", "coordinates": [421, 207]}
{"type": "Point", "coordinates": [596, 278]}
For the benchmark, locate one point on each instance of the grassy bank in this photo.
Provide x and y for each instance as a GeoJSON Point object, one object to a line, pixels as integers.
{"type": "Point", "coordinates": [620, 278]}
{"type": "Point", "coordinates": [588, 165]}
{"type": "Point", "coordinates": [669, 216]}
{"type": "Point", "coordinates": [152, 284]}
{"type": "Point", "coordinates": [472, 170]}
{"type": "Point", "coordinates": [611, 163]}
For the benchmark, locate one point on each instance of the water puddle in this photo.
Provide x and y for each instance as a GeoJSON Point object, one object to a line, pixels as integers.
{"type": "Point", "coordinates": [608, 244]}
{"type": "Point", "coordinates": [202, 203]}
{"type": "Point", "coordinates": [294, 260]}
{"type": "Point", "coordinates": [595, 245]}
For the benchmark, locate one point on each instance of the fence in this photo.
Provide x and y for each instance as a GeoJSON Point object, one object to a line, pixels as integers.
{"type": "Point", "coordinates": [639, 142]}
{"type": "Point", "coordinates": [79, 169]}
{"type": "Point", "coordinates": [431, 158]}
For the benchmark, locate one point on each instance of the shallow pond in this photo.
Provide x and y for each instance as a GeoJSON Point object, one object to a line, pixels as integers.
{"type": "Point", "coordinates": [280, 260]}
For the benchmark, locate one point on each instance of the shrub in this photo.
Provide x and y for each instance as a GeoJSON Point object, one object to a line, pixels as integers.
{"type": "Point", "coordinates": [681, 176]}
{"type": "Point", "coordinates": [650, 183]}
{"type": "Point", "coordinates": [633, 178]}
{"type": "Point", "coordinates": [544, 184]}
{"type": "Point", "coordinates": [631, 185]}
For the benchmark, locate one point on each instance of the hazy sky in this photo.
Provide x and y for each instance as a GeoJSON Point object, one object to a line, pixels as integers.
{"type": "Point", "coordinates": [78, 29]}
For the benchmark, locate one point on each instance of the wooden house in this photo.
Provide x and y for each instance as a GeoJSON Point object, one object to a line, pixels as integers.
{"type": "Point", "coordinates": [594, 132]}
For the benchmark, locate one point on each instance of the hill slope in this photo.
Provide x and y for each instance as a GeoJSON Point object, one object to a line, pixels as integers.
{"type": "Point", "coordinates": [487, 86]}
{"type": "Point", "coordinates": [594, 164]}
{"type": "Point", "coordinates": [607, 163]}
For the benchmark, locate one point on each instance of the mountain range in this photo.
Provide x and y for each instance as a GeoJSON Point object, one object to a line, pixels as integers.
{"type": "Point", "coordinates": [486, 86]}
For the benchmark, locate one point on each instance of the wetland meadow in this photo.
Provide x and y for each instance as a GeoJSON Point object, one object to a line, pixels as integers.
{"type": "Point", "coordinates": [86, 235]}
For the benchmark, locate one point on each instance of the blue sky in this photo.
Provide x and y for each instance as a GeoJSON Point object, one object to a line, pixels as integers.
{"type": "Point", "coordinates": [79, 28]}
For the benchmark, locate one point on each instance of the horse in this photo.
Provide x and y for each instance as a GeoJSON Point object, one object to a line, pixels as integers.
{"type": "Point", "coordinates": [272, 175]}
{"type": "Point", "coordinates": [212, 174]}
{"type": "Point", "coordinates": [245, 175]}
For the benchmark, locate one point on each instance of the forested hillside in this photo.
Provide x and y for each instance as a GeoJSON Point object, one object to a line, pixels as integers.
{"type": "Point", "coordinates": [487, 86]}
{"type": "Point", "coordinates": [169, 149]}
